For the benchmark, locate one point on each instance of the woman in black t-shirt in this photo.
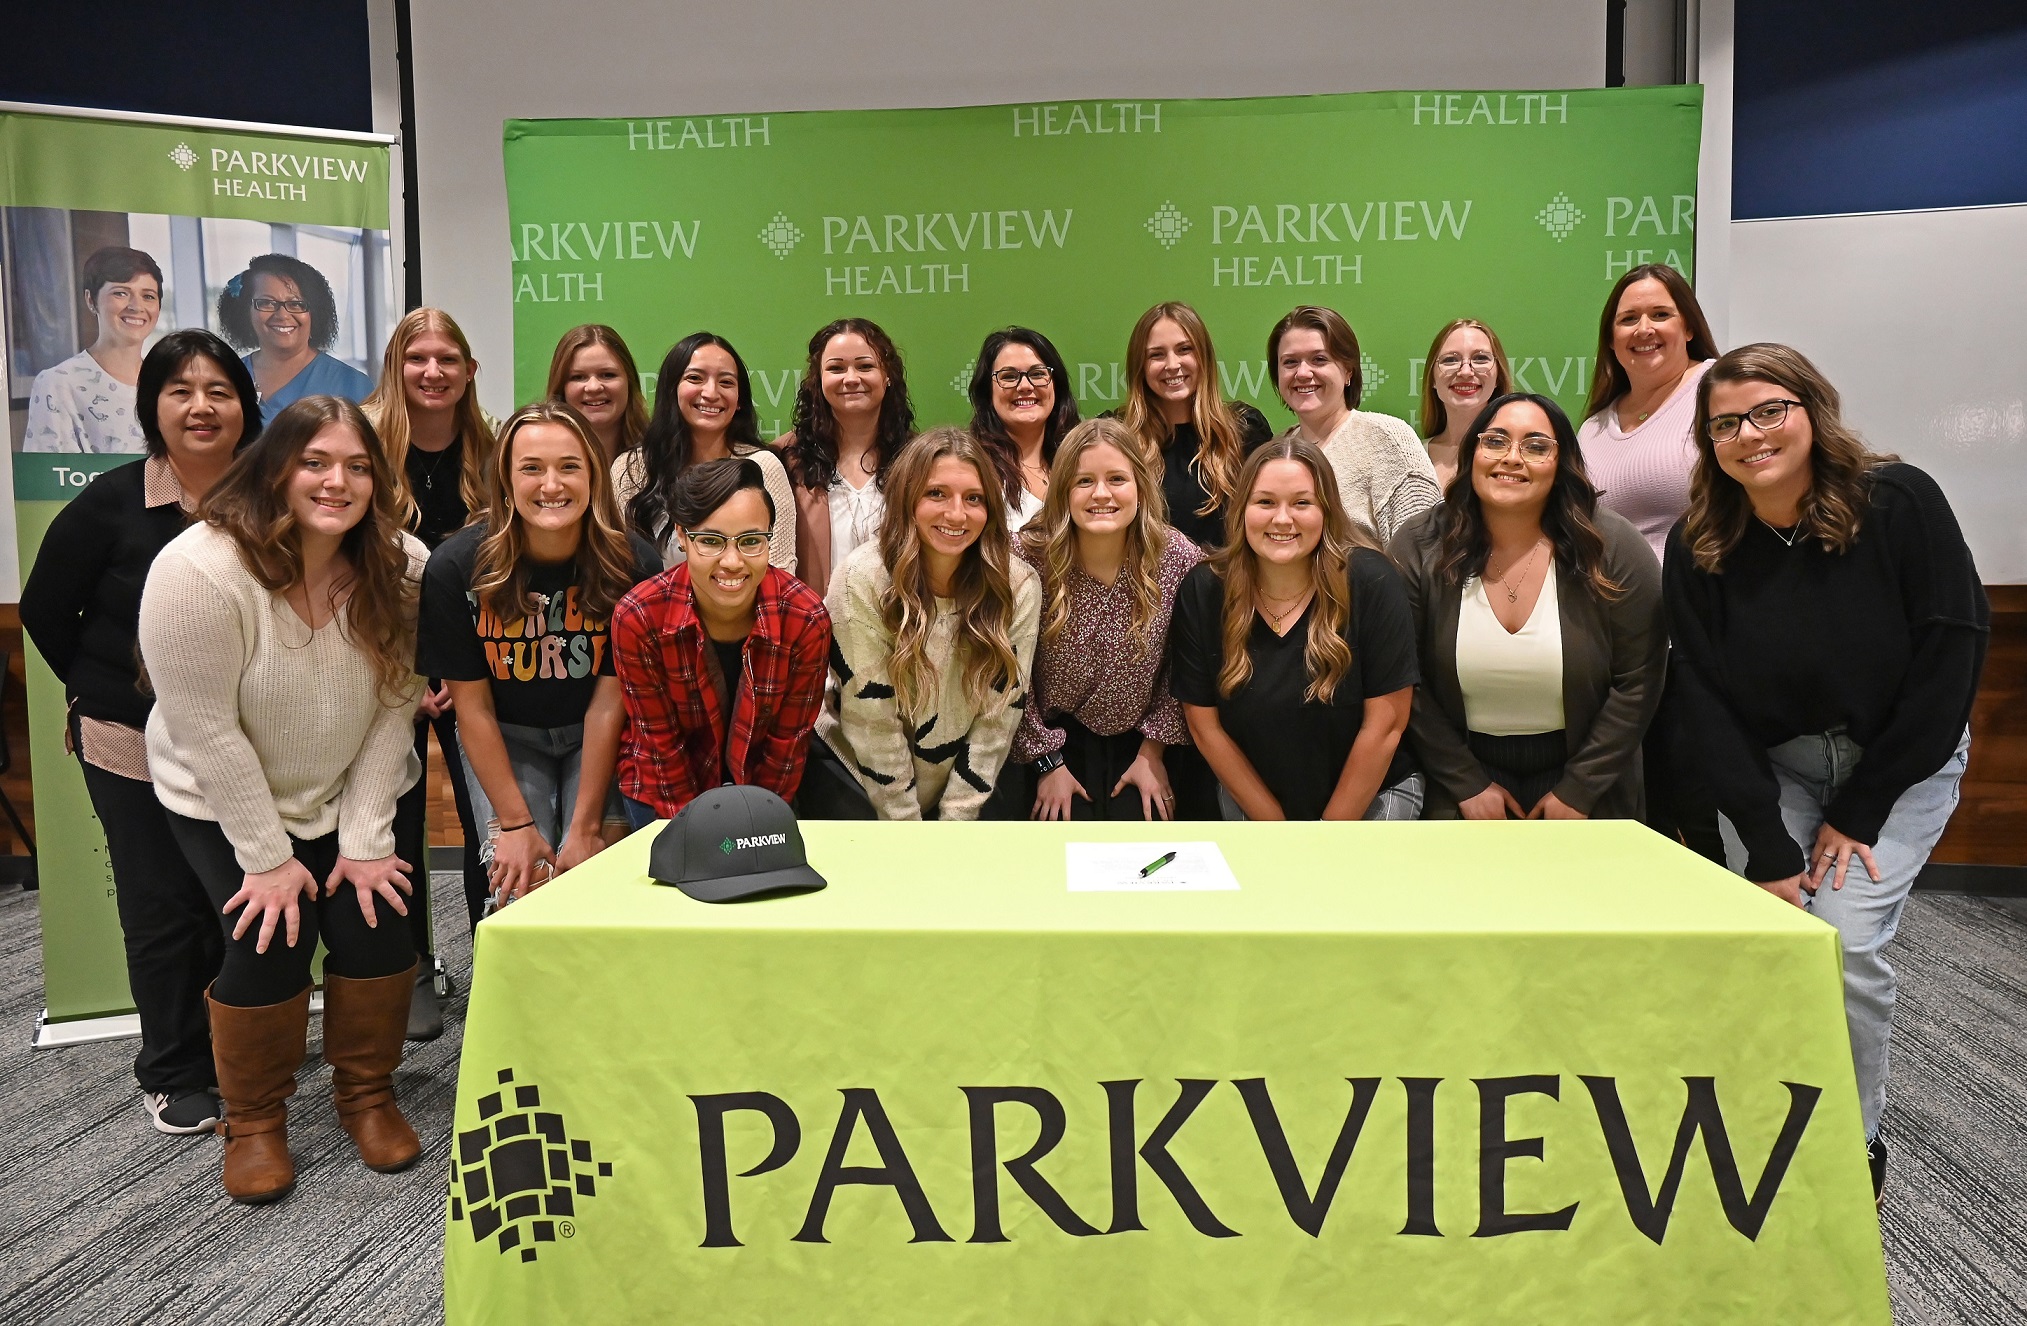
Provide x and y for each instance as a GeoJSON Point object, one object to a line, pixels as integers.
{"type": "Point", "coordinates": [1175, 406]}
{"type": "Point", "coordinates": [1294, 654]}
{"type": "Point", "coordinates": [515, 611]}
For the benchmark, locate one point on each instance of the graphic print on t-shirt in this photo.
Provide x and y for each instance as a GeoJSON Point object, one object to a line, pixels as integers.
{"type": "Point", "coordinates": [556, 643]}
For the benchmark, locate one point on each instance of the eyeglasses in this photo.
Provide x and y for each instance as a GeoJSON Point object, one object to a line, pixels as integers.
{"type": "Point", "coordinates": [710, 544]}
{"type": "Point", "coordinates": [262, 304]}
{"type": "Point", "coordinates": [1453, 362]}
{"type": "Point", "coordinates": [1766, 416]}
{"type": "Point", "coordinates": [1535, 447]}
{"type": "Point", "coordinates": [1011, 378]}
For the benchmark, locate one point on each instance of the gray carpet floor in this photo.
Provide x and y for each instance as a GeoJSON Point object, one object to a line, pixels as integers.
{"type": "Point", "coordinates": [105, 1220]}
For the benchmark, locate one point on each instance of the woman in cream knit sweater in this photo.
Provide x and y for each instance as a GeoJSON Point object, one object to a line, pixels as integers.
{"type": "Point", "coordinates": [935, 636]}
{"type": "Point", "coordinates": [279, 635]}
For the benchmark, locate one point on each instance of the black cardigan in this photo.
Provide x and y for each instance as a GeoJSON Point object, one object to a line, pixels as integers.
{"type": "Point", "coordinates": [1886, 641]}
{"type": "Point", "coordinates": [82, 603]}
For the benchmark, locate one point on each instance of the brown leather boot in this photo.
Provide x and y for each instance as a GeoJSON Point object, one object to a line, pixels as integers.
{"type": "Point", "coordinates": [365, 1023]}
{"type": "Point", "coordinates": [256, 1051]}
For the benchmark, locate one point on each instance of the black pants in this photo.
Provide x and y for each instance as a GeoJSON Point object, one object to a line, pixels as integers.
{"type": "Point", "coordinates": [445, 727]}
{"type": "Point", "coordinates": [1097, 763]}
{"type": "Point", "coordinates": [1528, 766]}
{"type": "Point", "coordinates": [171, 931]}
{"type": "Point", "coordinates": [251, 979]}
{"type": "Point", "coordinates": [830, 791]}
{"type": "Point", "coordinates": [1680, 802]}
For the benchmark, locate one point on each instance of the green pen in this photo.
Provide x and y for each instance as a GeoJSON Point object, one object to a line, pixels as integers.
{"type": "Point", "coordinates": [1156, 864]}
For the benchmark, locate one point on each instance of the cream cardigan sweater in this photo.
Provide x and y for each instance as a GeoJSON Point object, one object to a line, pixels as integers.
{"type": "Point", "coordinates": [947, 761]}
{"type": "Point", "coordinates": [1383, 472]}
{"type": "Point", "coordinates": [268, 729]}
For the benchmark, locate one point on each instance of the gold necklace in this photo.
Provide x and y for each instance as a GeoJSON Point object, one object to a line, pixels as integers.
{"type": "Point", "coordinates": [1513, 593]}
{"type": "Point", "coordinates": [1275, 619]}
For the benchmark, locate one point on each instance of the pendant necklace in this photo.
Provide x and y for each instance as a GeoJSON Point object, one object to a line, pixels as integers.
{"type": "Point", "coordinates": [1275, 619]}
{"type": "Point", "coordinates": [1788, 538]}
{"type": "Point", "coordinates": [1513, 592]}
{"type": "Point", "coordinates": [435, 464]}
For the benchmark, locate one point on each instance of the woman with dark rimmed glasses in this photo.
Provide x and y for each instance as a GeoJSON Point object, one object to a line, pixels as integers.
{"type": "Point", "coordinates": [1829, 631]}
{"type": "Point", "coordinates": [1539, 621]}
{"type": "Point", "coordinates": [1021, 407]}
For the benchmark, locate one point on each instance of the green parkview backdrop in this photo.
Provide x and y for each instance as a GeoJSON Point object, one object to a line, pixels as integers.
{"type": "Point", "coordinates": [1403, 210]}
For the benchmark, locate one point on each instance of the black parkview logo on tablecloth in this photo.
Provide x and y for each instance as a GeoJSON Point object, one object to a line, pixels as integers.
{"type": "Point", "coordinates": [518, 1176]}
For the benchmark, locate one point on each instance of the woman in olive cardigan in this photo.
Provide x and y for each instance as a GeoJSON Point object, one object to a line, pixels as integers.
{"type": "Point", "coordinates": [1538, 617]}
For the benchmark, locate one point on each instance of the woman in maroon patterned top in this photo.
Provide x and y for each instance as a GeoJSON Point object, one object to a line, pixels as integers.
{"type": "Point", "coordinates": [1099, 714]}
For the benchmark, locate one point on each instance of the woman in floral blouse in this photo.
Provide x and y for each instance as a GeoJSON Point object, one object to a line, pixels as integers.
{"type": "Point", "coordinates": [1099, 718]}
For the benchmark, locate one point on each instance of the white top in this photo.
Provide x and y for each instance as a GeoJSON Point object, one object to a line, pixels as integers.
{"type": "Point", "coordinates": [1024, 509]}
{"type": "Point", "coordinates": [266, 728]}
{"type": "Point", "coordinates": [78, 407]}
{"type": "Point", "coordinates": [855, 516]}
{"type": "Point", "coordinates": [1512, 681]}
{"type": "Point", "coordinates": [1643, 473]}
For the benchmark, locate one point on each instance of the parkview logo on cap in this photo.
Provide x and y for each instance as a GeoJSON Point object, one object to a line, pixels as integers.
{"type": "Point", "coordinates": [730, 843]}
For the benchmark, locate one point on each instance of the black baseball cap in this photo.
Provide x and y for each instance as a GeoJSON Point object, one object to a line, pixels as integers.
{"type": "Point", "coordinates": [730, 843]}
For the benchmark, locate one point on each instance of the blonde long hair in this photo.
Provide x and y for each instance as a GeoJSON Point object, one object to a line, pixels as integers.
{"type": "Point", "coordinates": [604, 555]}
{"type": "Point", "coordinates": [982, 587]}
{"type": "Point", "coordinates": [1051, 537]}
{"type": "Point", "coordinates": [1327, 654]}
{"type": "Point", "coordinates": [387, 408]}
{"type": "Point", "coordinates": [1222, 449]}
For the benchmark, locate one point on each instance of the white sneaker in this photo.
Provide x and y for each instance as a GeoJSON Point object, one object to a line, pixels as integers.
{"type": "Point", "coordinates": [180, 1113]}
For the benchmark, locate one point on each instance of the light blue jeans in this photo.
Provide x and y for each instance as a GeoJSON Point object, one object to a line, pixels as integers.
{"type": "Point", "coordinates": [1866, 912]}
{"type": "Point", "coordinates": [546, 764]}
{"type": "Point", "coordinates": [1402, 801]}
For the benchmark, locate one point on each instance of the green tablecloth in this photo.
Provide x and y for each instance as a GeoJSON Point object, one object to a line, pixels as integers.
{"type": "Point", "coordinates": [1406, 1073]}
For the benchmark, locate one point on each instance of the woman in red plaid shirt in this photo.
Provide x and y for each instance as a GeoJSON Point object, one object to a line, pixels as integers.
{"type": "Point", "coordinates": [722, 658]}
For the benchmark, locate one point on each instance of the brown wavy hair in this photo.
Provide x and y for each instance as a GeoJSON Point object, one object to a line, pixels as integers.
{"type": "Point", "coordinates": [1327, 655]}
{"type": "Point", "coordinates": [1608, 375]}
{"type": "Point", "coordinates": [387, 408]}
{"type": "Point", "coordinates": [604, 555]}
{"type": "Point", "coordinates": [1840, 463]}
{"type": "Point", "coordinates": [251, 504]}
{"type": "Point", "coordinates": [634, 422]}
{"type": "Point", "coordinates": [1221, 446]}
{"type": "Point", "coordinates": [982, 588]}
{"type": "Point", "coordinates": [1570, 520]}
{"type": "Point", "coordinates": [811, 456]}
{"type": "Point", "coordinates": [1051, 537]}
{"type": "Point", "coordinates": [1436, 415]}
{"type": "Point", "coordinates": [1339, 341]}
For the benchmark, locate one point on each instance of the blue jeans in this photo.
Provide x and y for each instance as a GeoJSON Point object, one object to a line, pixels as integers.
{"type": "Point", "coordinates": [1866, 912]}
{"type": "Point", "coordinates": [639, 814]}
{"type": "Point", "coordinates": [1402, 801]}
{"type": "Point", "coordinates": [546, 764]}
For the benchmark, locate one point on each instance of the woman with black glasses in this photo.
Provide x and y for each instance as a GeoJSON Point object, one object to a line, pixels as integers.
{"type": "Point", "coordinates": [1538, 616]}
{"type": "Point", "coordinates": [1020, 409]}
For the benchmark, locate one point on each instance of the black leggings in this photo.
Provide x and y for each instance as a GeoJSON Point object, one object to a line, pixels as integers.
{"type": "Point", "coordinates": [254, 980]}
{"type": "Point", "coordinates": [170, 929]}
{"type": "Point", "coordinates": [476, 888]}
{"type": "Point", "coordinates": [1097, 762]}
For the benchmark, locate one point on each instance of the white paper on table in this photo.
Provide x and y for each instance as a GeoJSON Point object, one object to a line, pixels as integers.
{"type": "Point", "coordinates": [1116, 867]}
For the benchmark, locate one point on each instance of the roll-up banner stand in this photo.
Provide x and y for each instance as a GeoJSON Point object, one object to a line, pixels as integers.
{"type": "Point", "coordinates": [200, 199]}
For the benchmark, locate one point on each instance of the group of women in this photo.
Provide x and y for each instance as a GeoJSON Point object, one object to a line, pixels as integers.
{"type": "Point", "coordinates": [1166, 612]}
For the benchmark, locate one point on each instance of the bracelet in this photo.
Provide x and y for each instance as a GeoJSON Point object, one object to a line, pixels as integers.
{"type": "Point", "coordinates": [516, 828]}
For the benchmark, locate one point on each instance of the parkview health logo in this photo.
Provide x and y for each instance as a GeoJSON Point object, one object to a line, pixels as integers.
{"type": "Point", "coordinates": [517, 1177]}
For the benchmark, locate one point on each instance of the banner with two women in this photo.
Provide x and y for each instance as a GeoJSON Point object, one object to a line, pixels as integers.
{"type": "Point", "coordinates": [114, 233]}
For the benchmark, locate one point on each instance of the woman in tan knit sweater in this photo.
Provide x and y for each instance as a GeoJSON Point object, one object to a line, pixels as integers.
{"type": "Point", "coordinates": [935, 636]}
{"type": "Point", "coordinates": [279, 634]}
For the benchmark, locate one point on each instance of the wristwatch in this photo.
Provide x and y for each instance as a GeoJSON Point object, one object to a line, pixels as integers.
{"type": "Point", "coordinates": [1049, 763]}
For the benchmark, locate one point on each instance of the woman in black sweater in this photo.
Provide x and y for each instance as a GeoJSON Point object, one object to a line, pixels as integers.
{"type": "Point", "coordinates": [81, 607]}
{"type": "Point", "coordinates": [1829, 628]}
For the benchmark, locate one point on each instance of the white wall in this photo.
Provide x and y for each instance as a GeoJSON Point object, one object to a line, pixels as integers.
{"type": "Point", "coordinates": [480, 63]}
{"type": "Point", "coordinates": [1919, 320]}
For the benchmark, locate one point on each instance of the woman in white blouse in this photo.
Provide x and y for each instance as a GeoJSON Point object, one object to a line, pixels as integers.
{"type": "Point", "coordinates": [1538, 615]}
{"type": "Point", "coordinates": [852, 417]}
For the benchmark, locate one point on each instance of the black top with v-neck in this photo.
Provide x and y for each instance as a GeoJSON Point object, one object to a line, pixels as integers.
{"type": "Point", "coordinates": [1297, 746]}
